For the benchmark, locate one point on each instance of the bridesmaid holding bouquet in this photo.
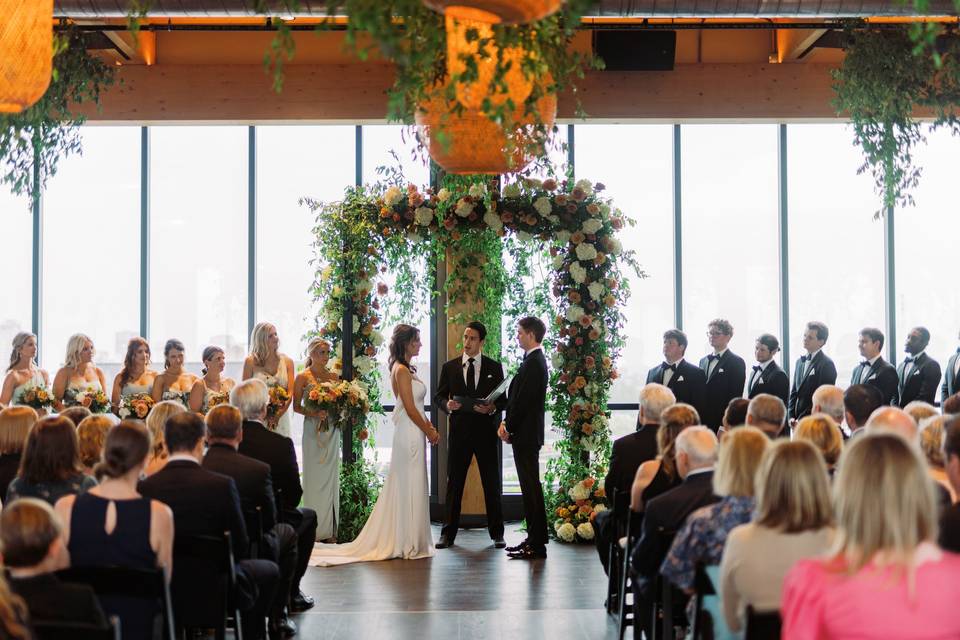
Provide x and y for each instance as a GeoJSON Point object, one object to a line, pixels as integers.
{"type": "Point", "coordinates": [211, 389]}
{"type": "Point", "coordinates": [25, 382]}
{"type": "Point", "coordinates": [174, 383]}
{"type": "Point", "coordinates": [266, 363]}
{"type": "Point", "coordinates": [80, 382]}
{"type": "Point", "coordinates": [135, 380]}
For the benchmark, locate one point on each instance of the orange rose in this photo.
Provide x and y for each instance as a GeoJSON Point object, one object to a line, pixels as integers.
{"type": "Point", "coordinates": [600, 259]}
{"type": "Point", "coordinates": [590, 362]}
{"type": "Point", "coordinates": [572, 389]}
{"type": "Point", "coordinates": [600, 492]}
{"type": "Point", "coordinates": [594, 334]}
{"type": "Point", "coordinates": [587, 428]}
{"type": "Point", "coordinates": [580, 381]}
{"type": "Point", "coordinates": [589, 482]}
{"type": "Point", "coordinates": [577, 237]}
{"type": "Point", "coordinates": [549, 184]}
{"type": "Point", "coordinates": [363, 434]}
{"type": "Point", "coordinates": [585, 321]}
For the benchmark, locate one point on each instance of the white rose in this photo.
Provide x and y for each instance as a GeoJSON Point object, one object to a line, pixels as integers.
{"type": "Point", "coordinates": [585, 186]}
{"type": "Point", "coordinates": [512, 190]}
{"type": "Point", "coordinates": [566, 532]}
{"type": "Point", "coordinates": [616, 248]}
{"type": "Point", "coordinates": [592, 225]}
{"type": "Point", "coordinates": [574, 313]}
{"type": "Point", "coordinates": [588, 443]}
{"type": "Point", "coordinates": [392, 196]}
{"type": "Point", "coordinates": [562, 237]}
{"type": "Point", "coordinates": [557, 261]}
{"type": "Point", "coordinates": [596, 290]}
{"type": "Point", "coordinates": [533, 183]}
{"type": "Point", "coordinates": [477, 190]}
{"type": "Point", "coordinates": [585, 530]}
{"type": "Point", "coordinates": [493, 221]}
{"type": "Point", "coordinates": [364, 365]}
{"type": "Point", "coordinates": [553, 219]}
{"type": "Point", "coordinates": [543, 205]}
{"type": "Point", "coordinates": [557, 524]}
{"type": "Point", "coordinates": [604, 211]}
{"type": "Point", "coordinates": [579, 492]}
{"type": "Point", "coordinates": [596, 324]}
{"type": "Point", "coordinates": [523, 236]}
{"type": "Point", "coordinates": [423, 216]}
{"type": "Point", "coordinates": [124, 413]}
{"type": "Point", "coordinates": [464, 209]}
{"type": "Point", "coordinates": [376, 338]}
{"type": "Point", "coordinates": [600, 508]}
{"type": "Point", "coordinates": [586, 251]}
{"type": "Point", "coordinates": [443, 195]}
{"type": "Point", "coordinates": [365, 287]}
{"type": "Point", "coordinates": [578, 273]}
{"type": "Point", "coordinates": [556, 360]}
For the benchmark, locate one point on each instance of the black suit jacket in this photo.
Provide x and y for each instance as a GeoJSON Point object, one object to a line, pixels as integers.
{"type": "Point", "coordinates": [820, 372]}
{"type": "Point", "coordinates": [526, 401]}
{"type": "Point", "coordinates": [773, 380]}
{"type": "Point", "coordinates": [881, 375]}
{"type": "Point", "coordinates": [277, 451]}
{"type": "Point", "coordinates": [950, 385]}
{"type": "Point", "coordinates": [203, 502]}
{"type": "Point", "coordinates": [452, 384]}
{"type": "Point", "coordinates": [50, 600]}
{"type": "Point", "coordinates": [922, 382]}
{"type": "Point", "coordinates": [688, 383]}
{"type": "Point", "coordinates": [252, 478]}
{"type": "Point", "coordinates": [725, 384]}
{"type": "Point", "coordinates": [664, 516]}
{"type": "Point", "coordinates": [629, 452]}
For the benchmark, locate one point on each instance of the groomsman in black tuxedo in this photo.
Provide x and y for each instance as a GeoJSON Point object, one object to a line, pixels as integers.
{"type": "Point", "coordinates": [918, 374]}
{"type": "Point", "coordinates": [950, 376]}
{"type": "Point", "coordinates": [687, 381]}
{"type": "Point", "coordinates": [473, 432]}
{"type": "Point", "coordinates": [874, 370]}
{"type": "Point", "coordinates": [767, 376]}
{"type": "Point", "coordinates": [812, 370]}
{"type": "Point", "coordinates": [523, 428]}
{"type": "Point", "coordinates": [725, 372]}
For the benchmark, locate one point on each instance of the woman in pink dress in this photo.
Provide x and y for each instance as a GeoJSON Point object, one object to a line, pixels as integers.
{"type": "Point", "coordinates": [885, 576]}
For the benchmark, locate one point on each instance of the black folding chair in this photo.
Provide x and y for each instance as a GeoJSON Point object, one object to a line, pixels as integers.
{"type": "Point", "coordinates": [620, 521]}
{"type": "Point", "coordinates": [142, 584]}
{"type": "Point", "coordinates": [254, 522]}
{"type": "Point", "coordinates": [763, 625]}
{"type": "Point", "coordinates": [625, 616]}
{"type": "Point", "coordinates": [204, 585]}
{"type": "Point", "coordinates": [48, 630]}
{"type": "Point", "coordinates": [702, 623]}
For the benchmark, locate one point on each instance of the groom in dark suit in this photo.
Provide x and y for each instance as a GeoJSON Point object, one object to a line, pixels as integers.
{"type": "Point", "coordinates": [523, 428]}
{"type": "Point", "coordinates": [473, 432]}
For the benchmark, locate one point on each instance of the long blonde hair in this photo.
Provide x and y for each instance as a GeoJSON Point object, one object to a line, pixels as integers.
{"type": "Point", "coordinates": [792, 491]}
{"type": "Point", "coordinates": [156, 419]}
{"type": "Point", "coordinates": [738, 460]}
{"type": "Point", "coordinates": [884, 501]}
{"type": "Point", "coordinates": [18, 341]}
{"type": "Point", "coordinates": [821, 430]}
{"type": "Point", "coordinates": [313, 344]}
{"type": "Point", "coordinates": [75, 346]}
{"type": "Point", "coordinates": [258, 342]}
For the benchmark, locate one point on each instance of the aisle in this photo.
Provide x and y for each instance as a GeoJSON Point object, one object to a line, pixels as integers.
{"type": "Point", "coordinates": [470, 591]}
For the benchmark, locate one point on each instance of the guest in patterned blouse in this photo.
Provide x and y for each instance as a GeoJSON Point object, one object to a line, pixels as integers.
{"type": "Point", "coordinates": [701, 539]}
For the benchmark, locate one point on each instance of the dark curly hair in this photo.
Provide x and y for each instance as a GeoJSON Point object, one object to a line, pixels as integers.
{"type": "Point", "coordinates": [403, 334]}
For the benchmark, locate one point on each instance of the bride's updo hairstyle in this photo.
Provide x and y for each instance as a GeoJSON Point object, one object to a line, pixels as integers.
{"type": "Point", "coordinates": [125, 448]}
{"type": "Point", "coordinates": [172, 345]}
{"type": "Point", "coordinates": [403, 334]}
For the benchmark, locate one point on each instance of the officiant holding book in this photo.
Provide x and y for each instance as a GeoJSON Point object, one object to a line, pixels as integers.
{"type": "Point", "coordinates": [464, 383]}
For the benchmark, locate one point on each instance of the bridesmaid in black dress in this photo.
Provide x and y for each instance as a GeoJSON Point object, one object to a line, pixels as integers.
{"type": "Point", "coordinates": [113, 525]}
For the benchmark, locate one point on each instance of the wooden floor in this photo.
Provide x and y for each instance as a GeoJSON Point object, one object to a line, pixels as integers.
{"type": "Point", "coordinates": [470, 591]}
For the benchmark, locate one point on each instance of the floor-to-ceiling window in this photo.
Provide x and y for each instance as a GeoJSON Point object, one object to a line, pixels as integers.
{"type": "Point", "coordinates": [16, 265]}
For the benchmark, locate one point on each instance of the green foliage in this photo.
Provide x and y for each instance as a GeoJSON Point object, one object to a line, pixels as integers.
{"type": "Point", "coordinates": [48, 131]}
{"type": "Point", "coordinates": [883, 79]}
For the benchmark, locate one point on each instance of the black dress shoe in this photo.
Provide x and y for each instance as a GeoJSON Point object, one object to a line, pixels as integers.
{"type": "Point", "coordinates": [300, 602]}
{"type": "Point", "coordinates": [282, 628]}
{"type": "Point", "coordinates": [443, 543]}
{"type": "Point", "coordinates": [529, 553]}
{"type": "Point", "coordinates": [516, 548]}
{"type": "Point", "coordinates": [498, 543]}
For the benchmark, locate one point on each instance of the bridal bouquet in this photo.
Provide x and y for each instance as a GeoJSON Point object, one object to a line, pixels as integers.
{"type": "Point", "coordinates": [94, 399]}
{"type": "Point", "coordinates": [36, 396]}
{"type": "Point", "coordinates": [278, 397]}
{"type": "Point", "coordinates": [575, 515]}
{"type": "Point", "coordinates": [136, 405]}
{"type": "Point", "coordinates": [343, 401]}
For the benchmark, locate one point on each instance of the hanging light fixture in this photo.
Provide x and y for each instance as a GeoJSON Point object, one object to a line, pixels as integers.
{"type": "Point", "coordinates": [505, 11]}
{"type": "Point", "coordinates": [26, 52]}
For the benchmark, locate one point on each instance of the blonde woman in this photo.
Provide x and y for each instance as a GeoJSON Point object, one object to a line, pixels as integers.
{"type": "Point", "coordinates": [77, 374]}
{"type": "Point", "coordinates": [136, 376]}
{"type": "Point", "coordinates": [822, 431]}
{"type": "Point", "coordinates": [793, 520]}
{"type": "Point", "coordinates": [931, 443]}
{"type": "Point", "coordinates": [884, 577]}
{"type": "Point", "coordinates": [15, 424]}
{"type": "Point", "coordinates": [266, 363]}
{"type": "Point", "coordinates": [174, 383]}
{"type": "Point", "coordinates": [211, 389]}
{"type": "Point", "coordinates": [321, 444]}
{"type": "Point", "coordinates": [157, 418]}
{"type": "Point", "coordinates": [23, 371]}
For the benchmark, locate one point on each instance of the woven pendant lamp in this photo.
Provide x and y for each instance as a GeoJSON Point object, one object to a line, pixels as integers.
{"type": "Point", "coordinates": [26, 52]}
{"type": "Point", "coordinates": [505, 11]}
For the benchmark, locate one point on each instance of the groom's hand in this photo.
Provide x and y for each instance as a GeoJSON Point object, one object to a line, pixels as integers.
{"type": "Point", "coordinates": [503, 433]}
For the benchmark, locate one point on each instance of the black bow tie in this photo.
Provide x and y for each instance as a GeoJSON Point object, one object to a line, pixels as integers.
{"type": "Point", "coordinates": [804, 358]}
{"type": "Point", "coordinates": [909, 360]}
{"type": "Point", "coordinates": [865, 363]}
{"type": "Point", "coordinates": [666, 366]}
{"type": "Point", "coordinates": [713, 357]}
{"type": "Point", "coordinates": [757, 368]}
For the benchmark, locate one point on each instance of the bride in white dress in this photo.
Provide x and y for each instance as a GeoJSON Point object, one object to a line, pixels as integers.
{"type": "Point", "coordinates": [399, 525]}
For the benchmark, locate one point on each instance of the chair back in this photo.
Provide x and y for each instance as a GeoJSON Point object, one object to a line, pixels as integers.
{"type": "Point", "coordinates": [620, 502]}
{"type": "Point", "coordinates": [702, 623]}
{"type": "Point", "coordinates": [253, 519]}
{"type": "Point", "coordinates": [204, 579]}
{"type": "Point", "coordinates": [49, 630]}
{"type": "Point", "coordinates": [762, 625]}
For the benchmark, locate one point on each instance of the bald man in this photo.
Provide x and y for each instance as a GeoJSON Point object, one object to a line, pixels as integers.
{"type": "Point", "coordinates": [896, 420]}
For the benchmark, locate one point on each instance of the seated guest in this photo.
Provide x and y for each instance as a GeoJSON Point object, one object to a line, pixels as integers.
{"type": "Point", "coordinates": [91, 434]}
{"type": "Point", "coordinates": [701, 539]}
{"type": "Point", "coordinates": [76, 414]}
{"type": "Point", "coordinates": [885, 577]}
{"type": "Point", "coordinates": [951, 405]}
{"type": "Point", "coordinates": [207, 504]}
{"type": "Point", "coordinates": [13, 614]}
{"type": "Point", "coordinates": [859, 401]}
{"type": "Point", "coordinates": [874, 370]}
{"type": "Point", "coordinates": [894, 419]}
{"type": "Point", "coordinates": [920, 410]}
{"type": "Point", "coordinates": [250, 396]}
{"type": "Point", "coordinates": [687, 381]}
{"type": "Point", "coordinates": [931, 443]}
{"type": "Point", "coordinates": [793, 520]}
{"type": "Point", "coordinates": [828, 400]}
{"type": "Point", "coordinates": [15, 424]}
{"type": "Point", "coordinates": [252, 477]}
{"type": "Point", "coordinates": [660, 474]}
{"type": "Point", "coordinates": [821, 431]}
{"type": "Point", "coordinates": [665, 514]}
{"type": "Point", "coordinates": [735, 415]}
{"type": "Point", "coordinates": [767, 413]}
{"type": "Point", "coordinates": [113, 525]}
{"type": "Point", "coordinates": [950, 517]}
{"type": "Point", "coordinates": [156, 420]}
{"type": "Point", "coordinates": [629, 452]}
{"type": "Point", "coordinates": [33, 549]}
{"type": "Point", "coordinates": [50, 468]}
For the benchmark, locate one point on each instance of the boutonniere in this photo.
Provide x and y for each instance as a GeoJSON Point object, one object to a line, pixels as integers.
{"type": "Point", "coordinates": [760, 381]}
{"type": "Point", "coordinates": [917, 372]}
{"type": "Point", "coordinates": [680, 379]}
{"type": "Point", "coordinates": [720, 371]}
{"type": "Point", "coordinates": [489, 375]}
{"type": "Point", "coordinates": [811, 372]}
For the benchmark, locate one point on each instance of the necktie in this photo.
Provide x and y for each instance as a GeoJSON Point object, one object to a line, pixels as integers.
{"type": "Point", "coordinates": [471, 379]}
